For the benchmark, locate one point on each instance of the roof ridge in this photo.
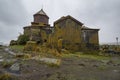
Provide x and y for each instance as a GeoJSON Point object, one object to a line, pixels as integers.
{"type": "Point", "coordinates": [66, 17]}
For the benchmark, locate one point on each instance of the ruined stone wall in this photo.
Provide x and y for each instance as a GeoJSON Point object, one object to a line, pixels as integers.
{"type": "Point", "coordinates": [35, 34]}
{"type": "Point", "coordinates": [38, 35]}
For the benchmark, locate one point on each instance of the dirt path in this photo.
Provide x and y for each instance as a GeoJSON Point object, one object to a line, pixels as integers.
{"type": "Point", "coordinates": [71, 69]}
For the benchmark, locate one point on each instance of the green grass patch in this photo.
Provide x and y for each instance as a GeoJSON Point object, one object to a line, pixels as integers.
{"type": "Point", "coordinates": [6, 64]}
{"type": "Point", "coordinates": [102, 67]}
{"type": "Point", "coordinates": [17, 47]}
{"type": "Point", "coordinates": [96, 57]}
{"type": "Point", "coordinates": [83, 55]}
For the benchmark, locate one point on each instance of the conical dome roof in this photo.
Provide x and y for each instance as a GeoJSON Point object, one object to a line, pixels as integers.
{"type": "Point", "coordinates": [41, 12]}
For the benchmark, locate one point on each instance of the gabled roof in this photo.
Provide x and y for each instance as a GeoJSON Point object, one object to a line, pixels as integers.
{"type": "Point", "coordinates": [41, 12]}
{"type": "Point", "coordinates": [68, 17]}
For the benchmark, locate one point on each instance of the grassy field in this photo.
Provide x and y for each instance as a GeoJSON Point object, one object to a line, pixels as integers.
{"type": "Point", "coordinates": [83, 55]}
{"type": "Point", "coordinates": [95, 56]}
{"type": "Point", "coordinates": [17, 48]}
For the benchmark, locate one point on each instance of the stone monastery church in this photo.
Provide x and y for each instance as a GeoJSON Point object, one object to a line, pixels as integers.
{"type": "Point", "coordinates": [71, 33]}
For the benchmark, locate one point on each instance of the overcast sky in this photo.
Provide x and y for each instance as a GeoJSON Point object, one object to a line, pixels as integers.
{"type": "Point", "coordinates": [101, 14]}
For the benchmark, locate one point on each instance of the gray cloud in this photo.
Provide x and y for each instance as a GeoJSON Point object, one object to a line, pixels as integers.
{"type": "Point", "coordinates": [12, 17]}
{"type": "Point", "coordinates": [12, 12]}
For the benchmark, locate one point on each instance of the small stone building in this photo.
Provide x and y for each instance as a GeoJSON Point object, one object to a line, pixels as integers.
{"type": "Point", "coordinates": [39, 28]}
{"type": "Point", "coordinates": [71, 32]}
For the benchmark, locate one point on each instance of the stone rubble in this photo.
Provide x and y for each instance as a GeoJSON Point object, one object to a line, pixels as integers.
{"type": "Point", "coordinates": [15, 67]}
